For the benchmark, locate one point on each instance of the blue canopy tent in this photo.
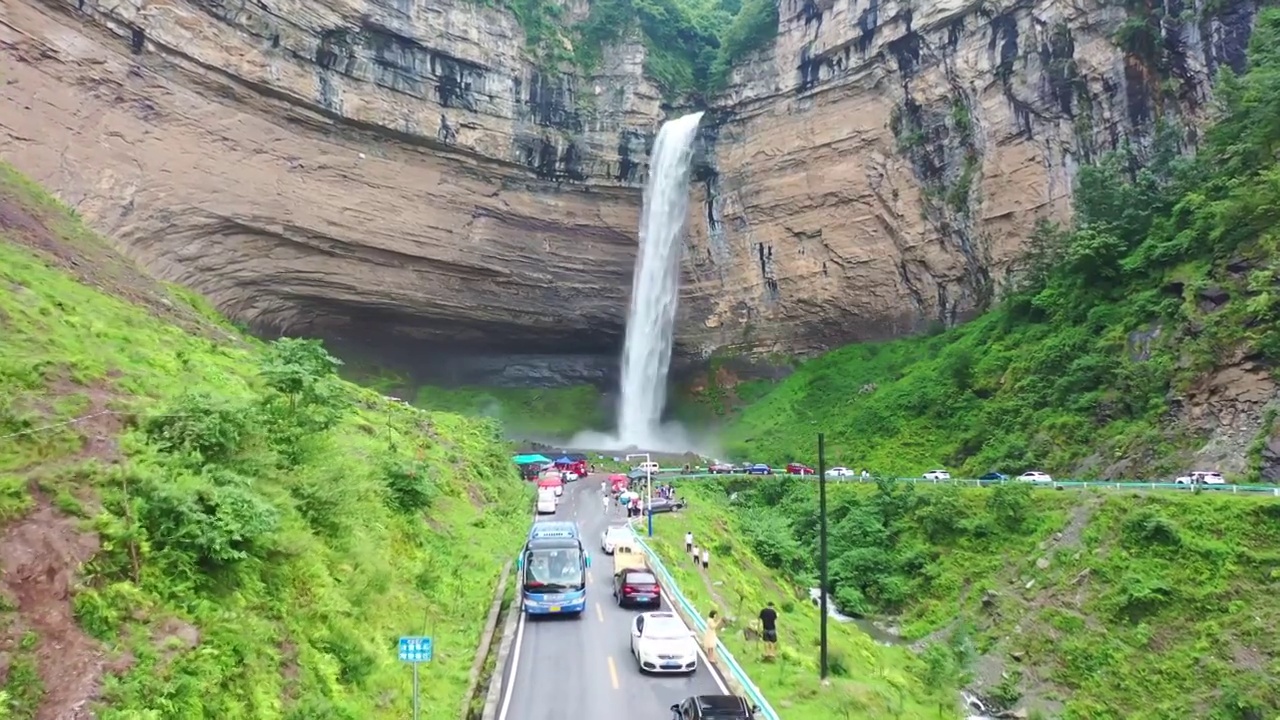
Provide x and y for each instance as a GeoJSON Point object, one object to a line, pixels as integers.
{"type": "Point", "coordinates": [565, 460]}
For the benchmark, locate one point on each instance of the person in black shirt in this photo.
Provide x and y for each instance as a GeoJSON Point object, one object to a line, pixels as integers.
{"type": "Point", "coordinates": [769, 631]}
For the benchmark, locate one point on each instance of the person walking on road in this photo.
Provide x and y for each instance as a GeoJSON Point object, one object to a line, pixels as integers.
{"type": "Point", "coordinates": [688, 541]}
{"type": "Point", "coordinates": [605, 499]}
{"type": "Point", "coordinates": [769, 631]}
{"type": "Point", "coordinates": [706, 558]}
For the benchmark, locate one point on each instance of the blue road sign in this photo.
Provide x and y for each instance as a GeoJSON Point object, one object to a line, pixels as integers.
{"type": "Point", "coordinates": [415, 649]}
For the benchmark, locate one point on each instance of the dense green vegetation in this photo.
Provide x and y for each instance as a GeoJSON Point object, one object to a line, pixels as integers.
{"type": "Point", "coordinates": [266, 530]}
{"type": "Point", "coordinates": [1169, 269]}
{"type": "Point", "coordinates": [525, 413]}
{"type": "Point", "coordinates": [1116, 605]}
{"type": "Point", "coordinates": [869, 680]}
{"type": "Point", "coordinates": [692, 44]}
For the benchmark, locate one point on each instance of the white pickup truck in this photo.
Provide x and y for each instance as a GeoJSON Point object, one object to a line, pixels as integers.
{"type": "Point", "coordinates": [1201, 477]}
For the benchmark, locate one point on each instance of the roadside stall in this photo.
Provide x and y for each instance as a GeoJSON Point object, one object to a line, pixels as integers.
{"type": "Point", "coordinates": [530, 464]}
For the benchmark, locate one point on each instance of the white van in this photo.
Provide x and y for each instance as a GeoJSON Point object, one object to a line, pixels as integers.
{"type": "Point", "coordinates": [648, 467]}
{"type": "Point", "coordinates": [547, 501]}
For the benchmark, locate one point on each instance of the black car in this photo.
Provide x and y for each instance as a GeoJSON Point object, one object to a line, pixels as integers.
{"type": "Point", "coordinates": [713, 707]}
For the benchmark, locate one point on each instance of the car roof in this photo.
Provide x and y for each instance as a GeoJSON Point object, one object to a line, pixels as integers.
{"type": "Point", "coordinates": [721, 705]}
{"type": "Point", "coordinates": [661, 615]}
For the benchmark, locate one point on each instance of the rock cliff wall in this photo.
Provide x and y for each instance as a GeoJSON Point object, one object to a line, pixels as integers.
{"type": "Point", "coordinates": [397, 172]}
{"type": "Point", "coordinates": [361, 169]}
{"type": "Point", "coordinates": [879, 170]}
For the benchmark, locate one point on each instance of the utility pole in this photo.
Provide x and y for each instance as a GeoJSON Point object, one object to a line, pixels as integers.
{"type": "Point", "coordinates": [822, 553]}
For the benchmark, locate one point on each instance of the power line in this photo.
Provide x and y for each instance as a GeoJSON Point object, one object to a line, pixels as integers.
{"type": "Point", "coordinates": [72, 421]}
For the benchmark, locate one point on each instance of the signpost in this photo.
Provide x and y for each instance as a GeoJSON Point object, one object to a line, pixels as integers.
{"type": "Point", "coordinates": [415, 649]}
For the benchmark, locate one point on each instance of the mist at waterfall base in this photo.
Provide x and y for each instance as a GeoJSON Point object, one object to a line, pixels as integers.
{"type": "Point", "coordinates": [655, 293]}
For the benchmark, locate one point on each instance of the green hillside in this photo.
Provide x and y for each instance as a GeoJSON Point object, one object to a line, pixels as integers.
{"type": "Point", "coordinates": [1073, 605]}
{"type": "Point", "coordinates": [198, 525]}
{"type": "Point", "coordinates": [1169, 271]}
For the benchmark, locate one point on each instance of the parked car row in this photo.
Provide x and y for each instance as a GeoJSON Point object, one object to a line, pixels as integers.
{"type": "Point", "coordinates": [838, 472]}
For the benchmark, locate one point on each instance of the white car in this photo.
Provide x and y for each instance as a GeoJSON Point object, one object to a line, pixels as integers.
{"type": "Point", "coordinates": [612, 536]}
{"type": "Point", "coordinates": [1202, 477]}
{"type": "Point", "coordinates": [839, 472]}
{"type": "Point", "coordinates": [661, 643]}
{"type": "Point", "coordinates": [547, 502]}
{"type": "Point", "coordinates": [1035, 476]}
{"type": "Point", "coordinates": [937, 475]}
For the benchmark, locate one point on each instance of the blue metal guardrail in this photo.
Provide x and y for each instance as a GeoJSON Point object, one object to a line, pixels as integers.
{"type": "Point", "coordinates": [722, 653]}
{"type": "Point", "coordinates": [677, 473]}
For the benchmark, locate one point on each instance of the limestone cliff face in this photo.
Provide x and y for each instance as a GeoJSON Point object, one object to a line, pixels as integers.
{"type": "Point", "coordinates": [398, 171]}
{"type": "Point", "coordinates": [355, 168]}
{"type": "Point", "coordinates": [879, 170]}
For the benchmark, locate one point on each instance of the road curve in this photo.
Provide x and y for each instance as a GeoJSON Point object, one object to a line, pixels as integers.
{"type": "Point", "coordinates": [582, 668]}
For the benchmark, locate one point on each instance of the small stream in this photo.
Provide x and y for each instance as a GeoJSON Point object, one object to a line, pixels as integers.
{"type": "Point", "coordinates": [973, 704]}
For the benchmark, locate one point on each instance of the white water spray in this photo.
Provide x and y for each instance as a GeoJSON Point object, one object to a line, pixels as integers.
{"type": "Point", "coordinates": [655, 286]}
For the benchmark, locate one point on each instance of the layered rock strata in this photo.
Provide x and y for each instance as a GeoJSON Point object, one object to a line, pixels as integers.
{"type": "Point", "coordinates": [880, 169]}
{"type": "Point", "coordinates": [399, 172]}
{"type": "Point", "coordinates": [362, 170]}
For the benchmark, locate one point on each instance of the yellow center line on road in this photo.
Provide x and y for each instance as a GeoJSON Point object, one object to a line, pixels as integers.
{"type": "Point", "coordinates": [613, 672]}
{"type": "Point", "coordinates": [599, 612]}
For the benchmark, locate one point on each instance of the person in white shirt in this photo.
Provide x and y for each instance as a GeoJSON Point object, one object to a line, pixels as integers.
{"type": "Point", "coordinates": [706, 558]}
{"type": "Point", "coordinates": [605, 500]}
{"type": "Point", "coordinates": [688, 542]}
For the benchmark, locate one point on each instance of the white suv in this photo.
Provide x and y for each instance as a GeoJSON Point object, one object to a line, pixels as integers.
{"type": "Point", "coordinates": [1202, 477]}
{"type": "Point", "coordinates": [612, 536]}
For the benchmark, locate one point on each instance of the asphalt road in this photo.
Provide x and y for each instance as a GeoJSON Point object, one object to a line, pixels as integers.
{"type": "Point", "coordinates": [583, 668]}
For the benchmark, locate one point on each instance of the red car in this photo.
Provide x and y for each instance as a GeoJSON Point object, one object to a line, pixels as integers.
{"type": "Point", "coordinates": [799, 469]}
{"type": "Point", "coordinates": [637, 587]}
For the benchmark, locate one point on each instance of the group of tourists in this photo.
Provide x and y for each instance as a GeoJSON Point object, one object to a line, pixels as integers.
{"type": "Point", "coordinates": [768, 617]}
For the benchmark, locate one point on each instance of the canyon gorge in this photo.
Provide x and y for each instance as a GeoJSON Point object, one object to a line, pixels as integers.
{"type": "Point", "coordinates": [411, 177]}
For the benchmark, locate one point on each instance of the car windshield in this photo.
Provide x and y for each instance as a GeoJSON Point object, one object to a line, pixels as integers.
{"type": "Point", "coordinates": [665, 629]}
{"type": "Point", "coordinates": [556, 570]}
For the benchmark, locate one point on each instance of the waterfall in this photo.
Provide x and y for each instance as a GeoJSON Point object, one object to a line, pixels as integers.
{"type": "Point", "coordinates": [655, 286]}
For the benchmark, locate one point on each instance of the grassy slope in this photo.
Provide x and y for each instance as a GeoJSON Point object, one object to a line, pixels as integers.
{"type": "Point", "coordinates": [1081, 367]}
{"type": "Point", "coordinates": [1146, 607]}
{"type": "Point", "coordinates": [295, 535]}
{"type": "Point", "coordinates": [871, 680]}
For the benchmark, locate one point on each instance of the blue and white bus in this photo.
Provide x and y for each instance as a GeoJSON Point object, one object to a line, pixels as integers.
{"type": "Point", "coordinates": [553, 570]}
